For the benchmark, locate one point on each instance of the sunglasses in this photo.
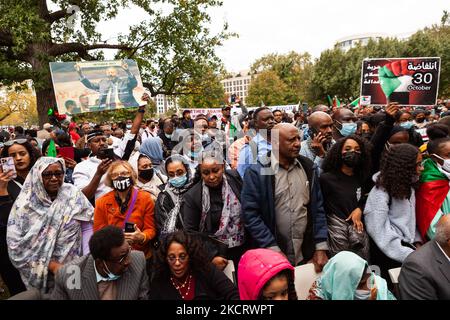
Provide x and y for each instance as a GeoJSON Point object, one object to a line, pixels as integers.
{"type": "Point", "coordinates": [11, 142]}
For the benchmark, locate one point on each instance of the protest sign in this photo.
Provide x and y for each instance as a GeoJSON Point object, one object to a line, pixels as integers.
{"type": "Point", "coordinates": [408, 81]}
{"type": "Point", "coordinates": [96, 85]}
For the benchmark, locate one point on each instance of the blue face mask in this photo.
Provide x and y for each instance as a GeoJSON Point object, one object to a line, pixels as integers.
{"type": "Point", "coordinates": [194, 155]}
{"type": "Point", "coordinates": [362, 295]}
{"type": "Point", "coordinates": [178, 182]}
{"type": "Point", "coordinates": [348, 128]}
{"type": "Point", "coordinates": [128, 126]}
{"type": "Point", "coordinates": [407, 125]}
{"type": "Point", "coordinates": [111, 276]}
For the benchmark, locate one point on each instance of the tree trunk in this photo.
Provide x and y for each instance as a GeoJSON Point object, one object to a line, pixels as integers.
{"type": "Point", "coordinates": [45, 100]}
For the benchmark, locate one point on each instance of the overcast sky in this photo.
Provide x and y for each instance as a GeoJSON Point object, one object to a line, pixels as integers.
{"type": "Point", "coordinates": [266, 26]}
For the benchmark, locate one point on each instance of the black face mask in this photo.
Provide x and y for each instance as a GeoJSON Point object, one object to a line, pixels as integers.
{"type": "Point", "coordinates": [351, 159]}
{"type": "Point", "coordinates": [121, 183]}
{"type": "Point", "coordinates": [146, 174]}
{"type": "Point", "coordinates": [366, 136]}
{"type": "Point", "coordinates": [420, 120]}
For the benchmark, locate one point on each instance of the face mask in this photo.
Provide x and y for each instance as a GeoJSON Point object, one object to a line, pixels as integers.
{"type": "Point", "coordinates": [446, 165]}
{"type": "Point", "coordinates": [206, 138]}
{"type": "Point", "coordinates": [193, 154]}
{"type": "Point", "coordinates": [111, 276]}
{"type": "Point", "coordinates": [128, 126]}
{"type": "Point", "coordinates": [420, 120]}
{"type": "Point", "coordinates": [351, 158]}
{"type": "Point", "coordinates": [121, 183]}
{"type": "Point", "coordinates": [168, 136]}
{"type": "Point", "coordinates": [348, 128]}
{"type": "Point", "coordinates": [366, 136]}
{"type": "Point", "coordinates": [407, 125]}
{"type": "Point", "coordinates": [146, 174]}
{"type": "Point", "coordinates": [387, 146]}
{"type": "Point", "coordinates": [362, 295]}
{"type": "Point", "coordinates": [178, 182]}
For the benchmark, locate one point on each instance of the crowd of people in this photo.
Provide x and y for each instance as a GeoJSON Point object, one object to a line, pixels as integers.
{"type": "Point", "coordinates": [158, 208]}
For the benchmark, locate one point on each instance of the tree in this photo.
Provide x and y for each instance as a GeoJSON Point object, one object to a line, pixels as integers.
{"type": "Point", "coordinates": [293, 68]}
{"type": "Point", "coordinates": [210, 92]}
{"type": "Point", "coordinates": [171, 46]}
{"type": "Point", "coordinates": [267, 88]}
{"type": "Point", "coordinates": [18, 106]}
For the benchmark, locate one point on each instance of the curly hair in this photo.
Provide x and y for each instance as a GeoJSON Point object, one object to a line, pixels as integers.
{"type": "Point", "coordinates": [333, 160]}
{"type": "Point", "coordinates": [289, 275]}
{"type": "Point", "coordinates": [398, 170]}
{"type": "Point", "coordinates": [198, 260]}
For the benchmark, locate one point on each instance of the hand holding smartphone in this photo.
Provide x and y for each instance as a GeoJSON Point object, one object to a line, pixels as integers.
{"type": "Point", "coordinates": [8, 165]}
{"type": "Point", "coordinates": [129, 227]}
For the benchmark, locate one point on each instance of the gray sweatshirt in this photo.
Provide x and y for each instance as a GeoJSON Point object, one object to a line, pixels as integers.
{"type": "Point", "coordinates": [388, 224]}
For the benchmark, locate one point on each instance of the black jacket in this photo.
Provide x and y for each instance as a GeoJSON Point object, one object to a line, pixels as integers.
{"type": "Point", "coordinates": [211, 286]}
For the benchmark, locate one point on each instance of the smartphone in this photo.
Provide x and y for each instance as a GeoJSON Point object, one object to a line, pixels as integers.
{"type": "Point", "coordinates": [8, 165]}
{"type": "Point", "coordinates": [312, 132]}
{"type": "Point", "coordinates": [67, 152]}
{"type": "Point", "coordinates": [129, 227]}
{"type": "Point", "coordinates": [305, 107]}
{"type": "Point", "coordinates": [106, 153]}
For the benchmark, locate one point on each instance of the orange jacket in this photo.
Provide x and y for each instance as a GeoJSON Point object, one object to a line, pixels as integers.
{"type": "Point", "coordinates": [107, 212]}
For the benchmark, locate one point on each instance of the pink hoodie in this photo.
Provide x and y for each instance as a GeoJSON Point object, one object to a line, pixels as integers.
{"type": "Point", "coordinates": [256, 267]}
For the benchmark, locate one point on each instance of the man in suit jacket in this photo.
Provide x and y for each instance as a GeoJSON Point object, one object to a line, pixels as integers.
{"type": "Point", "coordinates": [113, 90]}
{"type": "Point", "coordinates": [425, 274]}
{"type": "Point", "coordinates": [110, 272]}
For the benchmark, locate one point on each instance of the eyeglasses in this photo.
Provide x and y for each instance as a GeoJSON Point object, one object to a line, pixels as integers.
{"type": "Point", "coordinates": [49, 175]}
{"type": "Point", "coordinates": [182, 258]}
{"type": "Point", "coordinates": [11, 142]}
{"type": "Point", "coordinates": [121, 260]}
{"type": "Point", "coordinates": [125, 174]}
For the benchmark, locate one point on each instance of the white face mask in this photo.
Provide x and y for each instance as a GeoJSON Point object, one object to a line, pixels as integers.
{"type": "Point", "coordinates": [362, 295]}
{"type": "Point", "coordinates": [445, 166]}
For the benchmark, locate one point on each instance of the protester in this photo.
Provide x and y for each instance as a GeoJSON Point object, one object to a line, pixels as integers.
{"type": "Point", "coordinates": [187, 122]}
{"type": "Point", "coordinates": [264, 274]}
{"type": "Point", "coordinates": [236, 147]}
{"type": "Point", "coordinates": [183, 272]}
{"type": "Point", "coordinates": [346, 276]}
{"type": "Point", "coordinates": [49, 224]}
{"type": "Point", "coordinates": [260, 144]}
{"type": "Point", "coordinates": [282, 204]}
{"type": "Point", "coordinates": [390, 208]}
{"type": "Point", "coordinates": [112, 271]}
{"type": "Point", "coordinates": [277, 116]}
{"type": "Point", "coordinates": [320, 137]}
{"type": "Point", "coordinates": [153, 149]}
{"type": "Point", "coordinates": [44, 134]}
{"type": "Point", "coordinates": [126, 204]}
{"type": "Point", "coordinates": [424, 274]}
{"type": "Point", "coordinates": [24, 159]}
{"type": "Point", "coordinates": [345, 170]}
{"type": "Point", "coordinates": [168, 211]}
{"type": "Point", "coordinates": [344, 123]}
{"type": "Point", "coordinates": [167, 130]}
{"type": "Point", "coordinates": [149, 179]}
{"type": "Point", "coordinates": [213, 207]}
{"type": "Point", "coordinates": [433, 195]}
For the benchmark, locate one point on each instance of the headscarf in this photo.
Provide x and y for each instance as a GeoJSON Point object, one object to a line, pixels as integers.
{"type": "Point", "coordinates": [41, 230]}
{"type": "Point", "coordinates": [176, 194]}
{"type": "Point", "coordinates": [341, 277]}
{"type": "Point", "coordinates": [152, 148]}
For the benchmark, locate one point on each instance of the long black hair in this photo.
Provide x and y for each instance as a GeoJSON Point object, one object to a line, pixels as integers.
{"type": "Point", "coordinates": [198, 260]}
{"type": "Point", "coordinates": [34, 154]}
{"type": "Point", "coordinates": [398, 170]}
{"type": "Point", "coordinates": [333, 160]}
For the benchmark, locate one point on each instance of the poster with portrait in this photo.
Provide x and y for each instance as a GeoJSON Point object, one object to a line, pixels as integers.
{"type": "Point", "coordinates": [96, 85]}
{"type": "Point", "coordinates": [408, 81]}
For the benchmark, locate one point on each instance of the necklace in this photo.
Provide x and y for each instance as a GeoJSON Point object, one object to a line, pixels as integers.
{"type": "Point", "coordinates": [188, 282]}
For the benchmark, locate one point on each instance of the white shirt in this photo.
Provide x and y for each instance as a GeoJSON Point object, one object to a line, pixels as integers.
{"type": "Point", "coordinates": [83, 174]}
{"type": "Point", "coordinates": [443, 252]}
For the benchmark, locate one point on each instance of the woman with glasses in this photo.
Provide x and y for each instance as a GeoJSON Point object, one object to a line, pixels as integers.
{"type": "Point", "coordinates": [126, 207]}
{"type": "Point", "coordinates": [345, 170]}
{"type": "Point", "coordinates": [49, 225]}
{"type": "Point", "coordinates": [24, 156]}
{"type": "Point", "coordinates": [390, 212]}
{"type": "Point", "coordinates": [183, 272]}
{"type": "Point", "coordinates": [168, 212]}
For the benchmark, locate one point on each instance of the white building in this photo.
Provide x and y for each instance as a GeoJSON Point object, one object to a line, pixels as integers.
{"type": "Point", "coordinates": [238, 84]}
{"type": "Point", "coordinates": [349, 42]}
{"type": "Point", "coordinates": [164, 103]}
